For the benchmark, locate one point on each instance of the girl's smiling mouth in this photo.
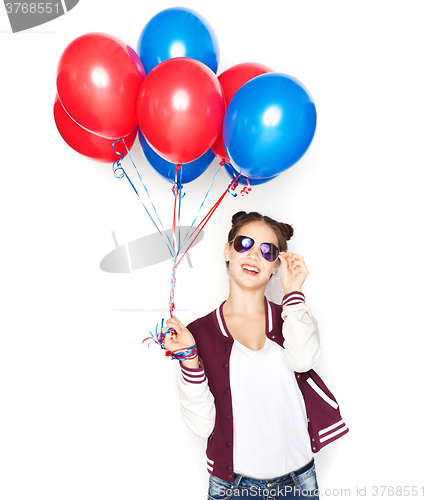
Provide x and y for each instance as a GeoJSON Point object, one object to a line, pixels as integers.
{"type": "Point", "coordinates": [251, 270]}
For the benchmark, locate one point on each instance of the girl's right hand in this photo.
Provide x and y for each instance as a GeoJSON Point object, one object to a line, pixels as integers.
{"type": "Point", "coordinates": [181, 340]}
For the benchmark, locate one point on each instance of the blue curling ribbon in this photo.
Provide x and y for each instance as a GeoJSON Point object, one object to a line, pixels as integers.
{"type": "Point", "coordinates": [147, 191]}
{"type": "Point", "coordinates": [158, 337]}
{"type": "Point", "coordinates": [233, 186]}
{"type": "Point", "coordinates": [121, 174]}
{"type": "Point", "coordinates": [184, 355]}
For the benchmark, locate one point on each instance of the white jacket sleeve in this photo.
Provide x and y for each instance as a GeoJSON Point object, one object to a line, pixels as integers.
{"type": "Point", "coordinates": [196, 400]}
{"type": "Point", "coordinates": [302, 347]}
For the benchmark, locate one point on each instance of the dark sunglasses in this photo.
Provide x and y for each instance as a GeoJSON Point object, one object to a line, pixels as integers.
{"type": "Point", "coordinates": [242, 244]}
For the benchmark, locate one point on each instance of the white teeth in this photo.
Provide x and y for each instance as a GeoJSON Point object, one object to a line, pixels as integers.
{"type": "Point", "coordinates": [251, 269]}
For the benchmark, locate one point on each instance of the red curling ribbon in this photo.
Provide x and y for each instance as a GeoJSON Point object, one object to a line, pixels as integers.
{"type": "Point", "coordinates": [246, 189]}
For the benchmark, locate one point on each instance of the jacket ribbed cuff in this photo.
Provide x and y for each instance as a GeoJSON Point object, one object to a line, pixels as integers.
{"type": "Point", "coordinates": [293, 298]}
{"type": "Point", "coordinates": [193, 375]}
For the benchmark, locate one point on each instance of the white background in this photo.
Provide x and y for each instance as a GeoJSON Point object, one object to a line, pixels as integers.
{"type": "Point", "coordinates": [87, 412]}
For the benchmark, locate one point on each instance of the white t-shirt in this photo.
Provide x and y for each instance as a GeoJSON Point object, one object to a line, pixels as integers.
{"type": "Point", "coordinates": [269, 415]}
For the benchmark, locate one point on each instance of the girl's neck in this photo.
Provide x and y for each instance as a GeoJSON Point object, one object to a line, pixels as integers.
{"type": "Point", "coordinates": [244, 302]}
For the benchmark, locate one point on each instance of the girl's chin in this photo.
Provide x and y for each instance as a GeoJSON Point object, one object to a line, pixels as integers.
{"type": "Point", "coordinates": [250, 273]}
{"type": "Point", "coordinates": [246, 279]}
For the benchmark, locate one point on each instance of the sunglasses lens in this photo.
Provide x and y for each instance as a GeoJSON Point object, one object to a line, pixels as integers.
{"type": "Point", "coordinates": [243, 243]}
{"type": "Point", "coordinates": [269, 251]}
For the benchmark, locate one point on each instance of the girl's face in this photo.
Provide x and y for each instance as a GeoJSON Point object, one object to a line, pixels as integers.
{"type": "Point", "coordinates": [250, 269]}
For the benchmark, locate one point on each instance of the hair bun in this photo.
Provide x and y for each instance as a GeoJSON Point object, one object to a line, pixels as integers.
{"type": "Point", "coordinates": [287, 230]}
{"type": "Point", "coordinates": [238, 216]}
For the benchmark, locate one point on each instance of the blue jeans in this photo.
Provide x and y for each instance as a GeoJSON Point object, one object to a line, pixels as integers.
{"type": "Point", "coordinates": [299, 484]}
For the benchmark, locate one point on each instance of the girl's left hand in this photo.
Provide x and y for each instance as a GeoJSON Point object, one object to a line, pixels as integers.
{"type": "Point", "coordinates": [293, 272]}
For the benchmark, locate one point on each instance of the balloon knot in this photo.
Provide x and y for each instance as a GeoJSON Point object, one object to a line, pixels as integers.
{"type": "Point", "coordinates": [176, 190]}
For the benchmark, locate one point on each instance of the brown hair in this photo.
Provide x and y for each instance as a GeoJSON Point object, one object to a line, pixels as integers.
{"type": "Point", "coordinates": [283, 231]}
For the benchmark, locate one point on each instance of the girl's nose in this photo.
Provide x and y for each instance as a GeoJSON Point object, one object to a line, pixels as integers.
{"type": "Point", "coordinates": [254, 252]}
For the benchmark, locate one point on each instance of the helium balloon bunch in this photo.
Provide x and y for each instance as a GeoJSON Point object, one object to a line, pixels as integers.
{"type": "Point", "coordinates": [257, 122]}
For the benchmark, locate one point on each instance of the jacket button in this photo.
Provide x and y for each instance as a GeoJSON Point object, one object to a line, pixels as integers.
{"type": "Point", "coordinates": [225, 365]}
{"type": "Point", "coordinates": [228, 468]}
{"type": "Point", "coordinates": [227, 391]}
{"type": "Point", "coordinates": [314, 448]}
{"type": "Point", "coordinates": [229, 476]}
{"type": "Point", "coordinates": [298, 376]}
{"type": "Point", "coordinates": [227, 342]}
{"type": "Point", "coordinates": [228, 444]}
{"type": "Point", "coordinates": [228, 417]}
{"type": "Point", "coordinates": [273, 336]}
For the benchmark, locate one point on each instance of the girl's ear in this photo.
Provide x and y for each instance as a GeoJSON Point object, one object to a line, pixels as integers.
{"type": "Point", "coordinates": [276, 267]}
{"type": "Point", "coordinates": [226, 252]}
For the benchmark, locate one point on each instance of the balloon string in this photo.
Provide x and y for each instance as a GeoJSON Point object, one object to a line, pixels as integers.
{"type": "Point", "coordinates": [177, 195]}
{"type": "Point", "coordinates": [199, 228]}
{"type": "Point", "coordinates": [121, 174]}
{"type": "Point", "coordinates": [179, 209]}
{"type": "Point", "coordinates": [177, 192]}
{"type": "Point", "coordinates": [176, 218]}
{"type": "Point", "coordinates": [203, 222]}
{"type": "Point", "coordinates": [202, 204]}
{"type": "Point", "coordinates": [176, 215]}
{"type": "Point", "coordinates": [148, 196]}
{"type": "Point", "coordinates": [141, 180]}
{"type": "Point", "coordinates": [172, 292]}
{"type": "Point", "coordinates": [174, 242]}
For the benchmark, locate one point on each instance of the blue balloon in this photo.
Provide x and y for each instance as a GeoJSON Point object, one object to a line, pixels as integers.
{"type": "Point", "coordinates": [232, 174]}
{"type": "Point", "coordinates": [189, 171]}
{"type": "Point", "coordinates": [178, 32]}
{"type": "Point", "coordinates": [269, 124]}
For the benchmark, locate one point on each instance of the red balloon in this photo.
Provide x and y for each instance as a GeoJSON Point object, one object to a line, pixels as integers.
{"type": "Point", "coordinates": [180, 109]}
{"type": "Point", "coordinates": [87, 143]}
{"type": "Point", "coordinates": [98, 80]}
{"type": "Point", "coordinates": [231, 81]}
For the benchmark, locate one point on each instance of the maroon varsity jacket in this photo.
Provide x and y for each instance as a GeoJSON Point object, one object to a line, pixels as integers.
{"type": "Point", "coordinates": [325, 423]}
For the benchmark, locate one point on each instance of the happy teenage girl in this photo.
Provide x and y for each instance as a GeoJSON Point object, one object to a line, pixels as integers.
{"type": "Point", "coordinates": [250, 387]}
